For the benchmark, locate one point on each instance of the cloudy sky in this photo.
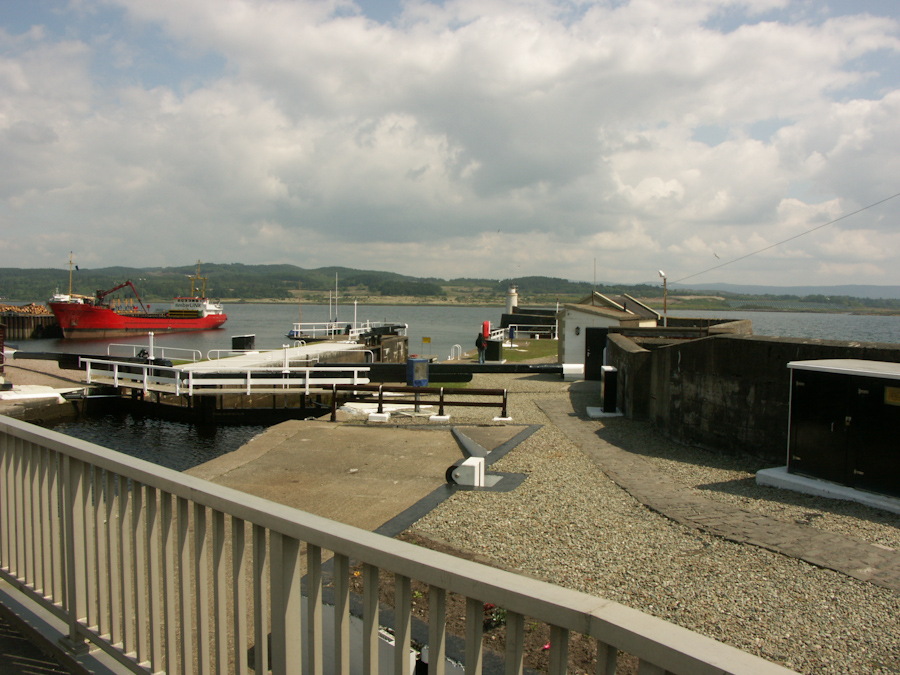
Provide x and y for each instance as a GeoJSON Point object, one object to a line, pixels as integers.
{"type": "Point", "coordinates": [485, 138]}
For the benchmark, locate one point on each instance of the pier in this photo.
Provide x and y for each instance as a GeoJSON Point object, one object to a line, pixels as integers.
{"type": "Point", "coordinates": [26, 326]}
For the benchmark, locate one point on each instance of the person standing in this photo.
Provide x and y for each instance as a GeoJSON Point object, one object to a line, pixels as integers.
{"type": "Point", "coordinates": [481, 344]}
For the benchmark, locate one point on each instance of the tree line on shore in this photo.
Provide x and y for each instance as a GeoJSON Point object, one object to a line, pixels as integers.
{"type": "Point", "coordinates": [240, 282]}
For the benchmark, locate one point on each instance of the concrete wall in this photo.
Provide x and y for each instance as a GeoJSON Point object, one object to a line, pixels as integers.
{"type": "Point", "coordinates": [633, 364]}
{"type": "Point", "coordinates": [731, 392]}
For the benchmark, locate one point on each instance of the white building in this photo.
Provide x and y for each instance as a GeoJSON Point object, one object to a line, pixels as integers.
{"type": "Point", "coordinates": [598, 311]}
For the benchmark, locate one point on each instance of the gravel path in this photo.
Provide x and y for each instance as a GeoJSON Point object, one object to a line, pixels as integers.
{"type": "Point", "coordinates": [570, 524]}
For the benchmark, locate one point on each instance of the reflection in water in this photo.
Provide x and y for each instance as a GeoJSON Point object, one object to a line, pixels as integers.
{"type": "Point", "coordinates": [175, 445]}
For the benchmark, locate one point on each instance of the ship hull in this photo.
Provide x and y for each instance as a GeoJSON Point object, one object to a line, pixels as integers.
{"type": "Point", "coordinates": [83, 320]}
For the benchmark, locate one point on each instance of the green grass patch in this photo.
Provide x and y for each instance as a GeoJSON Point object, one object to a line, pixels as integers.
{"type": "Point", "coordinates": [526, 350]}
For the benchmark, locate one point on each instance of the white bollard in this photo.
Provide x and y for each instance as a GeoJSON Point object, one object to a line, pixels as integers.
{"type": "Point", "coordinates": [470, 472]}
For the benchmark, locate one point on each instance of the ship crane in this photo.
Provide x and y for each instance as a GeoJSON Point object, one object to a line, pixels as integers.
{"type": "Point", "coordinates": [103, 294]}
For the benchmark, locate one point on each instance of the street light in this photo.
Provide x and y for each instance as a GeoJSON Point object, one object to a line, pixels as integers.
{"type": "Point", "coordinates": [665, 300]}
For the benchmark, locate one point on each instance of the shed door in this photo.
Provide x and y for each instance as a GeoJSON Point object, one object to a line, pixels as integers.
{"type": "Point", "coordinates": [594, 346]}
{"type": "Point", "coordinates": [873, 435]}
{"type": "Point", "coordinates": [818, 435]}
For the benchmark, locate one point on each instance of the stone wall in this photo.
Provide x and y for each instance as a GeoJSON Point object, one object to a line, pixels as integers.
{"type": "Point", "coordinates": [633, 364]}
{"type": "Point", "coordinates": [729, 393]}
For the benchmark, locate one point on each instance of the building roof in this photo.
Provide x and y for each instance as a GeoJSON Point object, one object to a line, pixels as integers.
{"type": "Point", "coordinates": [598, 310]}
{"type": "Point", "coordinates": [624, 303]}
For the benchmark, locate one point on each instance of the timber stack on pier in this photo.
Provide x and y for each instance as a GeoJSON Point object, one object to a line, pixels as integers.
{"type": "Point", "coordinates": [27, 321]}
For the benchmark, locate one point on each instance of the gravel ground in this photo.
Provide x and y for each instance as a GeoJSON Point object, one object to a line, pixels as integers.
{"type": "Point", "coordinates": [568, 523]}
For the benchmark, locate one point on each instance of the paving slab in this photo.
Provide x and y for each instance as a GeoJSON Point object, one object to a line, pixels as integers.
{"type": "Point", "coordinates": [358, 474]}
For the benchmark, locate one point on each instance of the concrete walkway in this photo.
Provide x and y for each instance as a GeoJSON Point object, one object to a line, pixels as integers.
{"type": "Point", "coordinates": [361, 475]}
{"type": "Point", "coordinates": [656, 490]}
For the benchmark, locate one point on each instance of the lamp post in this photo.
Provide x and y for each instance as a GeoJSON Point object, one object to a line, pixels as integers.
{"type": "Point", "coordinates": [665, 300]}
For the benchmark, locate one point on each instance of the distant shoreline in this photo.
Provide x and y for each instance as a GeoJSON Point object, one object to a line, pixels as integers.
{"type": "Point", "coordinates": [407, 301]}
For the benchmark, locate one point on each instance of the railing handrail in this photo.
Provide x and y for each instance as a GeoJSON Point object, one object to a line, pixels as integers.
{"type": "Point", "coordinates": [196, 354]}
{"type": "Point", "coordinates": [336, 328]}
{"type": "Point", "coordinates": [418, 392]}
{"type": "Point", "coordinates": [192, 381]}
{"type": "Point", "coordinates": [671, 648]}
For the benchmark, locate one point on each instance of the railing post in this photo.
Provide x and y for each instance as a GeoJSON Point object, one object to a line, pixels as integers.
{"type": "Point", "coordinates": [154, 576]}
{"type": "Point", "coordinates": [341, 615]}
{"type": "Point", "coordinates": [314, 639]}
{"type": "Point", "coordinates": [559, 650]}
{"type": "Point", "coordinates": [286, 635]}
{"type": "Point", "coordinates": [474, 635]}
{"type": "Point", "coordinates": [437, 630]}
{"type": "Point", "coordinates": [201, 589]}
{"type": "Point", "coordinates": [402, 623]}
{"type": "Point", "coordinates": [6, 510]}
{"type": "Point", "coordinates": [74, 495]}
{"type": "Point", "coordinates": [370, 620]}
{"type": "Point", "coordinates": [220, 587]}
{"type": "Point", "coordinates": [183, 555]}
{"type": "Point", "coordinates": [260, 601]}
{"type": "Point", "coordinates": [139, 571]}
{"type": "Point", "coordinates": [515, 644]}
{"type": "Point", "coordinates": [169, 584]}
{"type": "Point", "coordinates": [607, 659]}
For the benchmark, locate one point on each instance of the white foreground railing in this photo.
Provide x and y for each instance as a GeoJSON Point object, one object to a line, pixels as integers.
{"type": "Point", "coordinates": [169, 573]}
{"type": "Point", "coordinates": [261, 379]}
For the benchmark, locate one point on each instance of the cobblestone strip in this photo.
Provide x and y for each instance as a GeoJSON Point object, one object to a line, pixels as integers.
{"type": "Point", "coordinates": [657, 491]}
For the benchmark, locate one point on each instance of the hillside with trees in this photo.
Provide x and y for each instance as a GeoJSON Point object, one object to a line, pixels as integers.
{"type": "Point", "coordinates": [236, 282]}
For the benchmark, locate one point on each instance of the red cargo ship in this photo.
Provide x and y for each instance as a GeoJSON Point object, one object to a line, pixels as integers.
{"type": "Point", "coordinates": [80, 316]}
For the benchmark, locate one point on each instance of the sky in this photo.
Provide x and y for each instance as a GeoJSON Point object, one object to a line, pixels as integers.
{"type": "Point", "coordinates": [729, 141]}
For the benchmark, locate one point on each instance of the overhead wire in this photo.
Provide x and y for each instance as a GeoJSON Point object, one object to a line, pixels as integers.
{"type": "Point", "coordinates": [784, 241]}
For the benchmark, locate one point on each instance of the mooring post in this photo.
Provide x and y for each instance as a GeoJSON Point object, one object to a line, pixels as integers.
{"type": "Point", "coordinates": [504, 405]}
{"type": "Point", "coordinates": [334, 403]}
{"type": "Point", "coordinates": [441, 408]}
{"type": "Point", "coordinates": [380, 399]}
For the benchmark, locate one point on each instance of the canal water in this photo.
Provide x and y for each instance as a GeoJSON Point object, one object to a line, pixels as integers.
{"type": "Point", "coordinates": [432, 330]}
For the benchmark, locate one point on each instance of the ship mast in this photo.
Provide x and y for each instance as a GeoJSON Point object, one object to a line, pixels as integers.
{"type": "Point", "coordinates": [70, 274]}
{"type": "Point", "coordinates": [198, 278]}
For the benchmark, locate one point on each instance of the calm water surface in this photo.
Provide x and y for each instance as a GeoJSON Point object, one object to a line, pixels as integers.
{"type": "Point", "coordinates": [174, 445]}
{"type": "Point", "coordinates": [180, 446]}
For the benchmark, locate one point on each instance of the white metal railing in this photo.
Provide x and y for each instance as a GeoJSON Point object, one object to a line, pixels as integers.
{"type": "Point", "coordinates": [456, 353]}
{"type": "Point", "coordinates": [178, 353]}
{"type": "Point", "coordinates": [525, 330]}
{"type": "Point", "coordinates": [217, 354]}
{"type": "Point", "coordinates": [260, 379]}
{"type": "Point", "coordinates": [331, 329]}
{"type": "Point", "coordinates": [168, 573]}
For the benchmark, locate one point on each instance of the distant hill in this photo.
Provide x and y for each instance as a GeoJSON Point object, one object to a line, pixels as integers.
{"type": "Point", "coordinates": [282, 283]}
{"type": "Point", "coordinates": [850, 290]}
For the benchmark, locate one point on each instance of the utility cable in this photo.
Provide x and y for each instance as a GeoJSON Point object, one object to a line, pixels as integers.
{"type": "Point", "coordinates": [796, 236]}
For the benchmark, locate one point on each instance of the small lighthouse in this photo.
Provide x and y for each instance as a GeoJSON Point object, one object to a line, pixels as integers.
{"type": "Point", "coordinates": [512, 299]}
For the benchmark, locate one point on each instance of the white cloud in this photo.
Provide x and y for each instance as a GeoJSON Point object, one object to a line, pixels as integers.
{"type": "Point", "coordinates": [468, 138]}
